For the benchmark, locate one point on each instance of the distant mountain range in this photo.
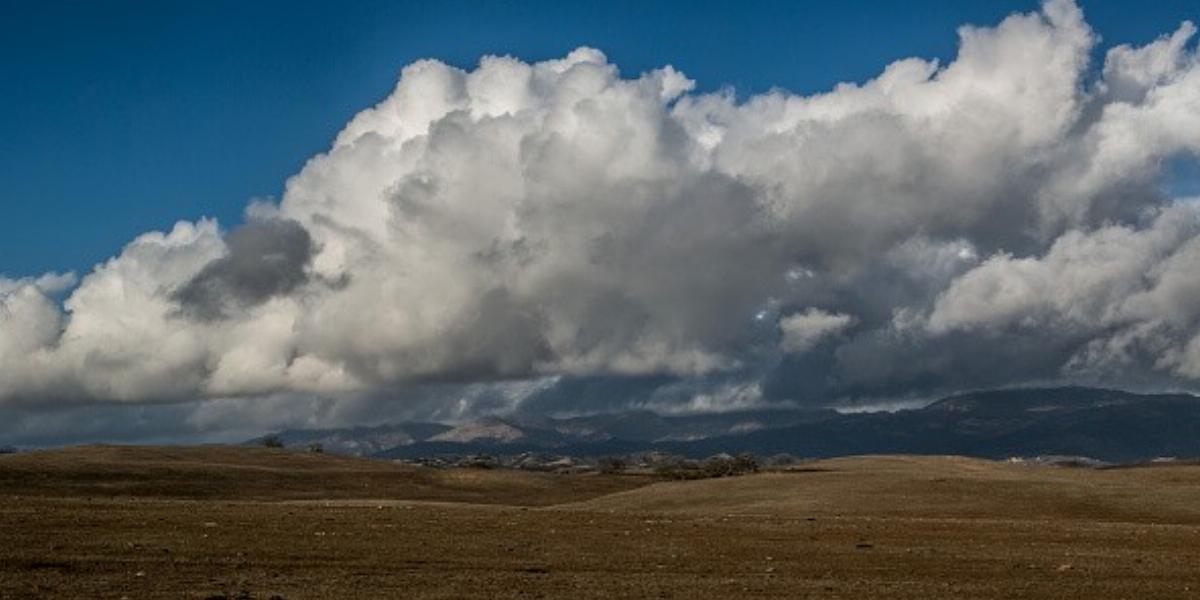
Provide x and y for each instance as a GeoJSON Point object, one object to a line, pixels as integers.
{"type": "Point", "coordinates": [1104, 424]}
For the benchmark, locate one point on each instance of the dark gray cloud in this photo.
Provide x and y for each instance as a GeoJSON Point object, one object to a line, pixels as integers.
{"type": "Point", "coordinates": [265, 258]}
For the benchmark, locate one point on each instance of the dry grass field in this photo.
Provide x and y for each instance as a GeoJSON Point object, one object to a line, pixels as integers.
{"type": "Point", "coordinates": [202, 523]}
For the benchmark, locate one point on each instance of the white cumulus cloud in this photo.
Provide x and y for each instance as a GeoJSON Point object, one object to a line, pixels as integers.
{"type": "Point", "coordinates": [519, 221]}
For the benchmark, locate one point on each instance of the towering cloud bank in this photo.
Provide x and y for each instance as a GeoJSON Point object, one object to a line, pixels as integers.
{"type": "Point", "coordinates": [996, 220]}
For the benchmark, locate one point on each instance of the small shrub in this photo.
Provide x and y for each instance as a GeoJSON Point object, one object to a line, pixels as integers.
{"type": "Point", "coordinates": [681, 471]}
{"type": "Point", "coordinates": [718, 466]}
{"type": "Point", "coordinates": [316, 448]}
{"type": "Point", "coordinates": [611, 465]}
{"type": "Point", "coordinates": [479, 461]}
{"type": "Point", "coordinates": [745, 463]}
{"type": "Point", "coordinates": [729, 466]}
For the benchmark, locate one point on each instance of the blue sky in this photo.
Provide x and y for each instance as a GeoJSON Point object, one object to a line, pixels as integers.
{"type": "Point", "coordinates": [992, 226]}
{"type": "Point", "coordinates": [122, 117]}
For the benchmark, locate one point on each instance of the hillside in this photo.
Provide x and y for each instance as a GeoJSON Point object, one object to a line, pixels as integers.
{"type": "Point", "coordinates": [948, 488]}
{"type": "Point", "coordinates": [1108, 425]}
{"type": "Point", "coordinates": [263, 474]}
{"type": "Point", "coordinates": [358, 441]}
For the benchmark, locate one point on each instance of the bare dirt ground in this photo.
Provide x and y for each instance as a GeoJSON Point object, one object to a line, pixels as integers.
{"type": "Point", "coordinates": [255, 523]}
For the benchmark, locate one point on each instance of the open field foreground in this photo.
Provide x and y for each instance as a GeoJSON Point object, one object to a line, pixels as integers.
{"type": "Point", "coordinates": [257, 523]}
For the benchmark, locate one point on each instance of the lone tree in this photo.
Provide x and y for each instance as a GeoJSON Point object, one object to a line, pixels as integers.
{"type": "Point", "coordinates": [272, 441]}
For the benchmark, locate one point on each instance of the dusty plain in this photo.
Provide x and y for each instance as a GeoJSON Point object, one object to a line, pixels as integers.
{"type": "Point", "coordinates": [216, 523]}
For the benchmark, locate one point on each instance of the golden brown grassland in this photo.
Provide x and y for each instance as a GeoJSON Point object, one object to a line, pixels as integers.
{"type": "Point", "coordinates": [216, 522]}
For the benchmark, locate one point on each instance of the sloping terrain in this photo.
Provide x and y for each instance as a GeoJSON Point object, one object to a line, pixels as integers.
{"type": "Point", "coordinates": [238, 473]}
{"type": "Point", "coordinates": [946, 487]}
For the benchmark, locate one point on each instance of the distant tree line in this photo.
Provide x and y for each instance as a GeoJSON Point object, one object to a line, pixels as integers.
{"type": "Point", "coordinates": [712, 467]}
{"type": "Point", "coordinates": [720, 465]}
